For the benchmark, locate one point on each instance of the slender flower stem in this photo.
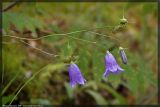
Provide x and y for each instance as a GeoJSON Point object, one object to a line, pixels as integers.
{"type": "Point", "coordinates": [14, 92]}
{"type": "Point", "coordinates": [34, 75]}
{"type": "Point", "coordinates": [82, 40]}
{"type": "Point", "coordinates": [11, 5]}
{"type": "Point", "coordinates": [6, 43]}
{"type": "Point", "coordinates": [65, 34]}
{"type": "Point", "coordinates": [10, 82]}
{"type": "Point", "coordinates": [123, 12]}
{"type": "Point", "coordinates": [27, 83]}
{"type": "Point", "coordinates": [107, 36]}
{"type": "Point", "coordinates": [50, 54]}
{"type": "Point", "coordinates": [2, 71]}
{"type": "Point", "coordinates": [48, 36]}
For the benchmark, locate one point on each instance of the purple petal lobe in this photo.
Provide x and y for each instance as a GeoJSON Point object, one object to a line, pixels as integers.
{"type": "Point", "coordinates": [72, 83]}
{"type": "Point", "coordinates": [120, 69]}
{"type": "Point", "coordinates": [75, 75]}
{"type": "Point", "coordinates": [106, 73]}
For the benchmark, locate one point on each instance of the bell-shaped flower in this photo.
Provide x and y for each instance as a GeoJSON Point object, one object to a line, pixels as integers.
{"type": "Point", "coordinates": [75, 75]}
{"type": "Point", "coordinates": [111, 65]}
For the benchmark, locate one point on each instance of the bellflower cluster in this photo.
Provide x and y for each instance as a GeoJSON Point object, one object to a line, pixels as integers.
{"type": "Point", "coordinates": [111, 67]}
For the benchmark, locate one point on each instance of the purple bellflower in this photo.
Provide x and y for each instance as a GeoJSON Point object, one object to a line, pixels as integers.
{"type": "Point", "coordinates": [111, 65]}
{"type": "Point", "coordinates": [75, 75]}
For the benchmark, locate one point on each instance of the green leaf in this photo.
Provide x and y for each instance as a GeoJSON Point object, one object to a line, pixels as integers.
{"type": "Point", "coordinates": [120, 98]}
{"type": "Point", "coordinates": [69, 90]}
{"type": "Point", "coordinates": [21, 21]}
{"type": "Point", "coordinates": [98, 97]}
{"type": "Point", "coordinates": [40, 101]}
{"type": "Point", "coordinates": [7, 99]}
{"type": "Point", "coordinates": [51, 68]}
{"type": "Point", "coordinates": [149, 7]}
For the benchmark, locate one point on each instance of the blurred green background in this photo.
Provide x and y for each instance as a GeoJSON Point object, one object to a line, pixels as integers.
{"type": "Point", "coordinates": [21, 61]}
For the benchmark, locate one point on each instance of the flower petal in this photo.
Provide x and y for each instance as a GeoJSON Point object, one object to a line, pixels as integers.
{"type": "Point", "coordinates": [75, 75]}
{"type": "Point", "coordinates": [72, 83]}
{"type": "Point", "coordinates": [106, 73]}
{"type": "Point", "coordinates": [113, 68]}
{"type": "Point", "coordinates": [120, 69]}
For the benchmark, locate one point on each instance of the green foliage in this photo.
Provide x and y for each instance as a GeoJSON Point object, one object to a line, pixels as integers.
{"type": "Point", "coordinates": [121, 99]}
{"type": "Point", "coordinates": [7, 99]}
{"type": "Point", "coordinates": [144, 77]}
{"type": "Point", "coordinates": [13, 69]}
{"type": "Point", "coordinates": [40, 101]}
{"type": "Point", "coordinates": [21, 21]}
{"type": "Point", "coordinates": [69, 91]}
{"type": "Point", "coordinates": [51, 68]}
{"type": "Point", "coordinates": [98, 98]}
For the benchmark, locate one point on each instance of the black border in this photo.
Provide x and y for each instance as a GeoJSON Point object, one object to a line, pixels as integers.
{"type": "Point", "coordinates": [81, 0]}
{"type": "Point", "coordinates": [158, 50]}
{"type": "Point", "coordinates": [1, 46]}
{"type": "Point", "coordinates": [1, 53]}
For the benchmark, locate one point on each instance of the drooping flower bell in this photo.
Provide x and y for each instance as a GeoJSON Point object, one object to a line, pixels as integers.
{"type": "Point", "coordinates": [75, 75]}
{"type": "Point", "coordinates": [111, 65]}
{"type": "Point", "coordinates": [123, 55]}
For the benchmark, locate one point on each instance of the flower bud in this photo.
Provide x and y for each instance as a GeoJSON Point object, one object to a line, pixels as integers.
{"type": "Point", "coordinates": [122, 55]}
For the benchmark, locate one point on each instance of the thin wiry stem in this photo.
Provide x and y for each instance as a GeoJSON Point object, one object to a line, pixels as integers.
{"type": "Point", "coordinates": [27, 83]}
{"type": "Point", "coordinates": [7, 42]}
{"type": "Point", "coordinates": [107, 36]}
{"type": "Point", "coordinates": [11, 5]}
{"type": "Point", "coordinates": [50, 54]}
{"type": "Point", "coordinates": [65, 34]}
{"type": "Point", "coordinates": [123, 12]}
{"type": "Point", "coordinates": [2, 71]}
{"type": "Point", "coordinates": [10, 82]}
{"type": "Point", "coordinates": [18, 87]}
{"type": "Point", "coordinates": [82, 40]}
